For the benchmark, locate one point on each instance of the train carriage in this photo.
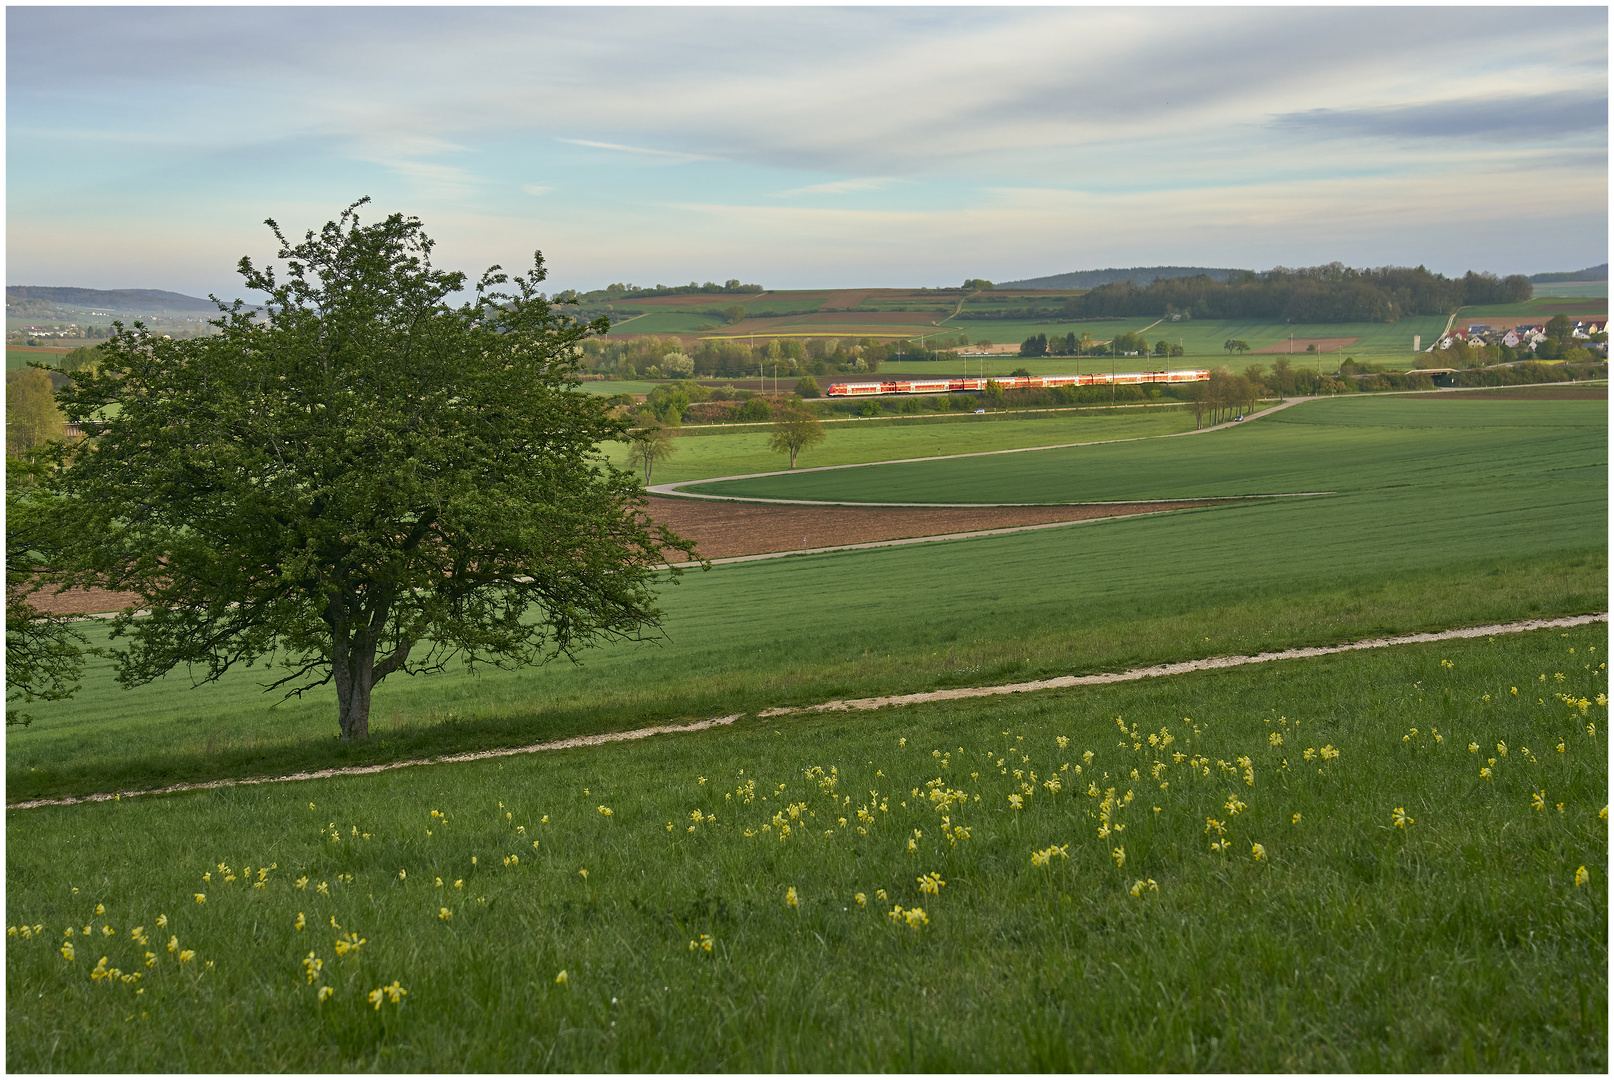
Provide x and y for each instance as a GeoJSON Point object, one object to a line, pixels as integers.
{"type": "Point", "coordinates": [1011, 382]}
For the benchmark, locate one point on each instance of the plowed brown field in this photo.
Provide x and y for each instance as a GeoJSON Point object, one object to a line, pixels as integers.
{"type": "Point", "coordinates": [725, 529]}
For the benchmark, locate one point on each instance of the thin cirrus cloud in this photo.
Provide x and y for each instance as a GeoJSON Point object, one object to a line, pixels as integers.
{"type": "Point", "coordinates": [838, 187]}
{"type": "Point", "coordinates": [1536, 116]}
{"type": "Point", "coordinates": [667, 155]}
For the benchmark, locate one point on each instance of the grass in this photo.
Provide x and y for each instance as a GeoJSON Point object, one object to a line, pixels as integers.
{"type": "Point", "coordinates": [1449, 512]}
{"type": "Point", "coordinates": [1496, 459]}
{"type": "Point", "coordinates": [1574, 290]}
{"type": "Point", "coordinates": [1459, 942]}
{"type": "Point", "coordinates": [745, 450]}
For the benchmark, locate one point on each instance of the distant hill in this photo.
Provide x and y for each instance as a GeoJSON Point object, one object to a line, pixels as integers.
{"type": "Point", "coordinates": [118, 299]}
{"type": "Point", "coordinates": [1591, 273]}
{"type": "Point", "coordinates": [1092, 279]}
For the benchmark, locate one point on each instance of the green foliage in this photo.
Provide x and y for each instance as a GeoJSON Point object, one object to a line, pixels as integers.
{"type": "Point", "coordinates": [649, 445]}
{"type": "Point", "coordinates": [32, 415]}
{"type": "Point", "coordinates": [368, 481]}
{"type": "Point", "coordinates": [794, 430]}
{"type": "Point", "coordinates": [1459, 942]}
{"type": "Point", "coordinates": [44, 653]}
{"type": "Point", "coordinates": [1333, 293]}
{"type": "Point", "coordinates": [807, 388]}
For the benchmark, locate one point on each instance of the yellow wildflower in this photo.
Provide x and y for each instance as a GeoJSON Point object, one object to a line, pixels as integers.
{"type": "Point", "coordinates": [201, 898]}
{"type": "Point", "coordinates": [1400, 819]}
{"type": "Point", "coordinates": [791, 899]}
{"type": "Point", "coordinates": [1016, 801]}
{"type": "Point", "coordinates": [561, 978]}
{"type": "Point", "coordinates": [862, 901]}
{"type": "Point", "coordinates": [605, 811]}
{"type": "Point", "coordinates": [311, 966]}
{"type": "Point", "coordinates": [1119, 855]}
{"type": "Point", "coordinates": [1581, 878]}
{"type": "Point", "coordinates": [1296, 819]}
{"type": "Point", "coordinates": [1257, 852]}
{"type": "Point", "coordinates": [67, 950]}
{"type": "Point", "coordinates": [326, 991]}
{"type": "Point", "coordinates": [187, 955]}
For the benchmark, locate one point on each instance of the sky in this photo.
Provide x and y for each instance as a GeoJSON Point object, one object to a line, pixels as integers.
{"type": "Point", "coordinates": [806, 147]}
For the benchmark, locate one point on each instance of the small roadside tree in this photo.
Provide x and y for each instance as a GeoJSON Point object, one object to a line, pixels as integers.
{"type": "Point", "coordinates": [648, 445]}
{"type": "Point", "coordinates": [363, 481]}
{"type": "Point", "coordinates": [795, 430]}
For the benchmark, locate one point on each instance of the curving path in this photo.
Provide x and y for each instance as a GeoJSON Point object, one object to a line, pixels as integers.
{"type": "Point", "coordinates": [676, 489]}
{"type": "Point", "coordinates": [1060, 683]}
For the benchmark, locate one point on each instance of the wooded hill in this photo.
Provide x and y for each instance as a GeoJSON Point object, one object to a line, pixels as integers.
{"type": "Point", "coordinates": [1318, 294]}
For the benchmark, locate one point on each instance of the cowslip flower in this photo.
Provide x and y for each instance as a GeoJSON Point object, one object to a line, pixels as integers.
{"type": "Point", "coordinates": [862, 901]}
{"type": "Point", "coordinates": [1296, 819]}
{"type": "Point", "coordinates": [1538, 799]}
{"type": "Point", "coordinates": [1400, 819]}
{"type": "Point", "coordinates": [311, 966]}
{"type": "Point", "coordinates": [791, 899]}
{"type": "Point", "coordinates": [187, 955]}
{"type": "Point", "coordinates": [1016, 801]}
{"type": "Point", "coordinates": [705, 942]}
{"type": "Point", "coordinates": [1140, 887]}
{"type": "Point", "coordinates": [605, 811]}
{"type": "Point", "coordinates": [1119, 855]}
{"type": "Point", "coordinates": [300, 923]}
{"type": "Point", "coordinates": [67, 950]}
{"type": "Point", "coordinates": [1257, 852]}
{"type": "Point", "coordinates": [444, 914]}
{"type": "Point", "coordinates": [931, 883]}
{"type": "Point", "coordinates": [325, 992]}
{"type": "Point", "coordinates": [1581, 878]}
{"type": "Point", "coordinates": [560, 980]}
{"type": "Point", "coordinates": [201, 898]}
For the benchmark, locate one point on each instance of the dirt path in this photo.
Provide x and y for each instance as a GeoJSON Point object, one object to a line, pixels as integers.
{"type": "Point", "coordinates": [1157, 671]}
{"type": "Point", "coordinates": [677, 487]}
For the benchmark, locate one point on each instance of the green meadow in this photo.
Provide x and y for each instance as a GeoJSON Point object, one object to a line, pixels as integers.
{"type": "Point", "coordinates": [1387, 861]}
{"type": "Point", "coordinates": [1503, 460]}
{"type": "Point", "coordinates": [1392, 860]}
{"type": "Point", "coordinates": [734, 451]}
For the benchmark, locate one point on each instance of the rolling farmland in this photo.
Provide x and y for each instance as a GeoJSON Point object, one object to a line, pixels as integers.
{"type": "Point", "coordinates": [685, 901]}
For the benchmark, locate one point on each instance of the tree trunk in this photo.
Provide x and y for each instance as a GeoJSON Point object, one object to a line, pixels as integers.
{"type": "Point", "coordinates": [353, 663]}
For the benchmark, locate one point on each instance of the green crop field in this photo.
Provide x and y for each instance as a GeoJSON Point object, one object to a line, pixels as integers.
{"type": "Point", "coordinates": [1393, 861]}
{"type": "Point", "coordinates": [1385, 450]}
{"type": "Point", "coordinates": [1575, 289]}
{"type": "Point", "coordinates": [736, 451]}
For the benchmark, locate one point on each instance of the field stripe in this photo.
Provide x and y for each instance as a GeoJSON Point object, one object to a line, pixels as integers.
{"type": "Point", "coordinates": [673, 489]}
{"type": "Point", "coordinates": [1208, 664]}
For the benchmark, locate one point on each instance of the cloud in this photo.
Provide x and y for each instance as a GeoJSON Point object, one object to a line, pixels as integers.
{"type": "Point", "coordinates": [1534, 116]}
{"type": "Point", "coordinates": [672, 155]}
{"type": "Point", "coordinates": [536, 189]}
{"type": "Point", "coordinates": [838, 187]}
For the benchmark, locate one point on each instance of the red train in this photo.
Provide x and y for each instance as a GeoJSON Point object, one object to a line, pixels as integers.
{"type": "Point", "coordinates": [1010, 382]}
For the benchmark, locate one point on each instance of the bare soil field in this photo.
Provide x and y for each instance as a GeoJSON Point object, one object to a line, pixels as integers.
{"type": "Point", "coordinates": [845, 299]}
{"type": "Point", "coordinates": [1324, 344]}
{"type": "Point", "coordinates": [724, 529]}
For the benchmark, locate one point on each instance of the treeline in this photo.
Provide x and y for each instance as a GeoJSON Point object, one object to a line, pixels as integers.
{"type": "Point", "coordinates": [1318, 294]}
{"type": "Point", "coordinates": [792, 357]}
{"type": "Point", "coordinates": [1129, 343]}
{"type": "Point", "coordinates": [622, 291]}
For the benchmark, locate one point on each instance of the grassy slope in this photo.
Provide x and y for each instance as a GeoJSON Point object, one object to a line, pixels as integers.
{"type": "Point", "coordinates": [745, 450]}
{"type": "Point", "coordinates": [1381, 449]}
{"type": "Point", "coordinates": [1460, 943]}
{"type": "Point", "coordinates": [1463, 525]}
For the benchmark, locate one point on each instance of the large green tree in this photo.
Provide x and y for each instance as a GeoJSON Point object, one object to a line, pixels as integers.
{"type": "Point", "coordinates": [360, 479]}
{"type": "Point", "coordinates": [44, 651]}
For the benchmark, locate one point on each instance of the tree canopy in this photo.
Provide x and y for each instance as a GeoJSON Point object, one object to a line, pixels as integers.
{"type": "Point", "coordinates": [794, 431]}
{"type": "Point", "coordinates": [363, 479]}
